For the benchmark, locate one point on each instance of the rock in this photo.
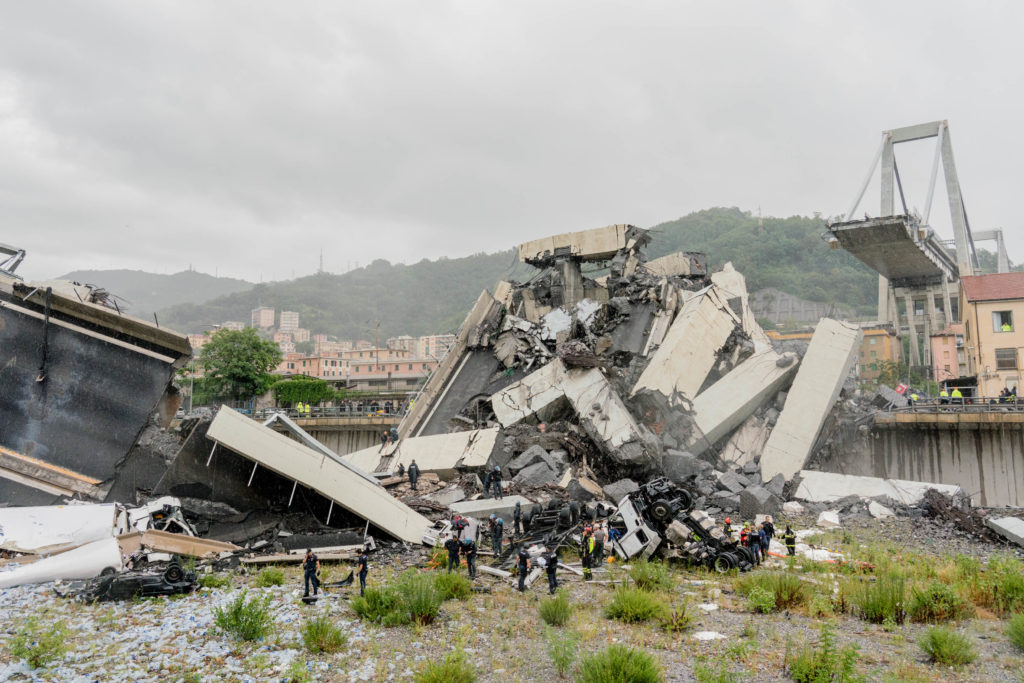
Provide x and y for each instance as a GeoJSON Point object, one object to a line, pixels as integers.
{"type": "Point", "coordinates": [879, 511]}
{"type": "Point", "coordinates": [730, 481]}
{"type": "Point", "coordinates": [828, 519]}
{"type": "Point", "coordinates": [679, 466]}
{"type": "Point", "coordinates": [726, 500]}
{"type": "Point", "coordinates": [758, 500]}
{"type": "Point", "coordinates": [846, 502]}
{"type": "Point", "coordinates": [777, 484]}
{"type": "Point", "coordinates": [750, 468]}
{"type": "Point", "coordinates": [535, 475]}
{"type": "Point", "coordinates": [447, 496]}
{"type": "Point", "coordinates": [793, 508]}
{"type": "Point", "coordinates": [530, 456]}
{"type": "Point", "coordinates": [583, 489]}
{"type": "Point", "coordinates": [669, 441]}
{"type": "Point", "coordinates": [560, 459]}
{"type": "Point", "coordinates": [618, 490]}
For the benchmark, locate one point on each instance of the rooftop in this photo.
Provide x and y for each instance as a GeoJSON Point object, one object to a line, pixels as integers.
{"type": "Point", "coordinates": [995, 287]}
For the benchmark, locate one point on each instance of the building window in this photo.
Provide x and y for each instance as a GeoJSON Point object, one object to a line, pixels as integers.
{"type": "Point", "coordinates": [871, 341]}
{"type": "Point", "coordinates": [410, 366]}
{"type": "Point", "coordinates": [946, 368]}
{"type": "Point", "coordinates": [863, 368]}
{"type": "Point", "coordinates": [874, 367]}
{"type": "Point", "coordinates": [1006, 359]}
{"type": "Point", "coordinates": [874, 355]}
{"type": "Point", "coordinates": [1002, 321]}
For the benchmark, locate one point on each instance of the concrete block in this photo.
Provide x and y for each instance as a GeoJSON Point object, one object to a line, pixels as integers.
{"type": "Point", "coordinates": [733, 285]}
{"type": "Point", "coordinates": [726, 500]}
{"type": "Point", "coordinates": [536, 474]}
{"type": "Point", "coordinates": [731, 482]}
{"type": "Point", "coordinates": [726, 404]}
{"type": "Point", "coordinates": [823, 370]}
{"type": "Point", "coordinates": [560, 458]}
{"type": "Point", "coordinates": [618, 490]}
{"type": "Point", "coordinates": [502, 507]}
{"type": "Point", "coordinates": [776, 485]}
{"type": "Point", "coordinates": [827, 487]}
{"type": "Point", "coordinates": [828, 519]}
{"type": "Point", "coordinates": [747, 442]}
{"type": "Point", "coordinates": [447, 496]}
{"type": "Point", "coordinates": [530, 456]}
{"type": "Point", "coordinates": [679, 466]}
{"type": "Point", "coordinates": [879, 511]}
{"type": "Point", "coordinates": [758, 500]}
{"type": "Point", "coordinates": [1010, 528]}
{"type": "Point", "coordinates": [584, 489]}
{"type": "Point", "coordinates": [793, 508]}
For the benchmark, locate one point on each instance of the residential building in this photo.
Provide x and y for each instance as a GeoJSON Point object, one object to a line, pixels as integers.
{"type": "Point", "coordinates": [198, 341]}
{"type": "Point", "coordinates": [363, 344]}
{"type": "Point", "coordinates": [300, 334]}
{"type": "Point", "coordinates": [233, 325]}
{"type": "Point", "coordinates": [280, 336]}
{"type": "Point", "coordinates": [403, 342]}
{"type": "Point", "coordinates": [879, 345]}
{"type": "Point", "coordinates": [286, 347]}
{"type": "Point", "coordinates": [289, 321]}
{"type": "Point", "coordinates": [319, 338]}
{"type": "Point", "coordinates": [434, 345]}
{"type": "Point", "coordinates": [331, 347]}
{"type": "Point", "coordinates": [992, 308]}
{"type": "Point", "coordinates": [263, 317]}
{"type": "Point", "coordinates": [949, 361]}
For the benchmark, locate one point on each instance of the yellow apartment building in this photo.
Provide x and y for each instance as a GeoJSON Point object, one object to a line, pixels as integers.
{"type": "Point", "coordinates": [992, 309]}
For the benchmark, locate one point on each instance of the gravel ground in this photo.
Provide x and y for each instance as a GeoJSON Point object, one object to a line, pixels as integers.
{"type": "Point", "coordinates": [175, 639]}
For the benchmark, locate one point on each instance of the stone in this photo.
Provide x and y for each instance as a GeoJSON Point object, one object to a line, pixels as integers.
{"type": "Point", "coordinates": [560, 458]}
{"type": "Point", "coordinates": [726, 500]}
{"type": "Point", "coordinates": [879, 511]}
{"type": "Point", "coordinates": [828, 519]}
{"type": "Point", "coordinates": [447, 496]}
{"type": "Point", "coordinates": [777, 485]}
{"type": "Point", "coordinates": [730, 482]}
{"type": "Point", "coordinates": [758, 500]}
{"type": "Point", "coordinates": [583, 489]}
{"type": "Point", "coordinates": [530, 456]}
{"type": "Point", "coordinates": [780, 400]}
{"type": "Point", "coordinates": [669, 441]}
{"type": "Point", "coordinates": [1010, 528]}
{"type": "Point", "coordinates": [535, 475]}
{"type": "Point", "coordinates": [618, 490]}
{"type": "Point", "coordinates": [679, 466]}
{"type": "Point", "coordinates": [750, 468]}
{"type": "Point", "coordinates": [793, 508]}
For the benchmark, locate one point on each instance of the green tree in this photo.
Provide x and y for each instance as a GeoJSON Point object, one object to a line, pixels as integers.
{"type": "Point", "coordinates": [302, 388]}
{"type": "Point", "coordinates": [238, 363]}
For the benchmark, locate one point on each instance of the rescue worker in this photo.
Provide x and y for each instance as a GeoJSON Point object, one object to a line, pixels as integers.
{"type": "Point", "coordinates": [523, 564]}
{"type": "Point", "coordinates": [459, 524]}
{"type": "Point", "coordinates": [452, 546]}
{"type": "Point", "coordinates": [469, 550]}
{"type": "Point", "coordinates": [310, 569]}
{"type": "Point", "coordinates": [744, 533]}
{"type": "Point", "coordinates": [789, 538]}
{"type": "Point", "coordinates": [769, 530]}
{"type": "Point", "coordinates": [383, 441]}
{"type": "Point", "coordinates": [727, 527]}
{"type": "Point", "coordinates": [597, 556]}
{"type": "Point", "coordinates": [957, 396]}
{"type": "Point", "coordinates": [492, 523]}
{"type": "Point", "coordinates": [393, 435]}
{"type": "Point", "coordinates": [363, 567]}
{"type": "Point", "coordinates": [944, 396]}
{"type": "Point", "coordinates": [401, 469]}
{"type": "Point", "coordinates": [496, 482]}
{"type": "Point", "coordinates": [763, 538]}
{"type": "Point", "coordinates": [499, 531]}
{"type": "Point", "coordinates": [414, 473]}
{"type": "Point", "coordinates": [298, 408]}
{"type": "Point", "coordinates": [551, 566]}
{"type": "Point", "coordinates": [517, 519]}
{"type": "Point", "coordinates": [588, 554]}
{"type": "Point", "coordinates": [913, 399]}
{"type": "Point", "coordinates": [487, 485]}
{"type": "Point", "coordinates": [308, 408]}
{"type": "Point", "coordinates": [754, 543]}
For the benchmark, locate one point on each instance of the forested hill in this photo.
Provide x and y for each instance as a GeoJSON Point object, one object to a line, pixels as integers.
{"type": "Point", "coordinates": [433, 296]}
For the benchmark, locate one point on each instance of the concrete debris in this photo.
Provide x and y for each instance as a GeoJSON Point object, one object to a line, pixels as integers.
{"type": "Point", "coordinates": [537, 474]}
{"type": "Point", "coordinates": [532, 456]}
{"type": "Point", "coordinates": [827, 487]}
{"type": "Point", "coordinates": [583, 489]}
{"type": "Point", "coordinates": [83, 562]}
{"type": "Point", "coordinates": [502, 507]}
{"type": "Point", "coordinates": [618, 490]}
{"type": "Point", "coordinates": [732, 481]}
{"type": "Point", "coordinates": [879, 511]}
{"type": "Point", "coordinates": [758, 500]}
{"type": "Point", "coordinates": [680, 466]}
{"type": "Point", "coordinates": [793, 508]}
{"type": "Point", "coordinates": [828, 519]}
{"type": "Point", "coordinates": [1010, 528]}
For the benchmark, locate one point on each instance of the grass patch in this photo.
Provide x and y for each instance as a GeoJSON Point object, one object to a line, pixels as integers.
{"type": "Point", "coordinates": [375, 605]}
{"type": "Point", "coordinates": [319, 634]}
{"type": "Point", "coordinates": [562, 647]}
{"type": "Point", "coordinates": [39, 646]}
{"type": "Point", "coordinates": [772, 591]}
{"type": "Point", "coordinates": [412, 598]}
{"type": "Point", "coordinates": [714, 673]}
{"type": "Point", "coordinates": [677, 618]}
{"type": "Point", "coordinates": [1015, 631]}
{"type": "Point", "coordinates": [298, 672]}
{"type": "Point", "coordinates": [760, 600]}
{"type": "Point", "coordinates": [936, 604]}
{"type": "Point", "coordinates": [633, 606]}
{"type": "Point", "coordinates": [825, 663]}
{"type": "Point", "coordinates": [270, 576]}
{"type": "Point", "coordinates": [617, 664]}
{"type": "Point", "coordinates": [453, 586]}
{"type": "Point", "coordinates": [651, 576]}
{"type": "Point", "coordinates": [883, 600]}
{"type": "Point", "coordinates": [947, 647]}
{"type": "Point", "coordinates": [215, 581]}
{"type": "Point", "coordinates": [245, 619]}
{"type": "Point", "coordinates": [555, 610]}
{"type": "Point", "coordinates": [454, 668]}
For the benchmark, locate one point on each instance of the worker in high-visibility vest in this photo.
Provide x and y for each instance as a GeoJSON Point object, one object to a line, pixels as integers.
{"type": "Point", "coordinates": [958, 398]}
{"type": "Point", "coordinates": [943, 396]}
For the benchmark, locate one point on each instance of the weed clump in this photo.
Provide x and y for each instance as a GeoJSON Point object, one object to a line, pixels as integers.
{"type": "Point", "coordinates": [375, 604]}
{"type": "Point", "coordinates": [651, 576]}
{"type": "Point", "coordinates": [270, 576]}
{"type": "Point", "coordinates": [882, 600]}
{"type": "Point", "coordinates": [555, 610]}
{"type": "Point", "coordinates": [936, 604]}
{"type": "Point", "coordinates": [676, 618]}
{"type": "Point", "coordinates": [760, 600]}
{"type": "Point", "coordinates": [319, 634]}
{"type": "Point", "coordinates": [245, 619]}
{"type": "Point", "coordinates": [562, 648]}
{"type": "Point", "coordinates": [706, 673]}
{"type": "Point", "coordinates": [825, 663]}
{"type": "Point", "coordinates": [215, 581]}
{"type": "Point", "coordinates": [39, 646]}
{"type": "Point", "coordinates": [1015, 631]}
{"type": "Point", "coordinates": [413, 598]}
{"type": "Point", "coordinates": [619, 663]}
{"type": "Point", "coordinates": [633, 606]}
{"type": "Point", "coordinates": [454, 668]}
{"type": "Point", "coordinates": [452, 586]}
{"type": "Point", "coordinates": [947, 647]}
{"type": "Point", "coordinates": [785, 591]}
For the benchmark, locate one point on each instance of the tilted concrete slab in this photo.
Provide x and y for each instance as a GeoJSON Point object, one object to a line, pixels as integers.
{"type": "Point", "coordinates": [723, 406]}
{"type": "Point", "coordinates": [501, 507]}
{"type": "Point", "coordinates": [731, 283]}
{"type": "Point", "coordinates": [686, 356]}
{"type": "Point", "coordinates": [824, 368]}
{"type": "Point", "coordinates": [318, 472]}
{"type": "Point", "coordinates": [585, 245]}
{"type": "Point", "coordinates": [747, 442]}
{"type": "Point", "coordinates": [825, 487]}
{"type": "Point", "coordinates": [678, 264]}
{"type": "Point", "coordinates": [1010, 528]}
{"type": "Point", "coordinates": [435, 453]}
{"type": "Point", "coordinates": [84, 562]}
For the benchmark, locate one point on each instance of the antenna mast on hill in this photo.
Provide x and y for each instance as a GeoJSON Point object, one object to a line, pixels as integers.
{"type": "Point", "coordinates": [760, 222]}
{"type": "Point", "coordinates": [321, 262]}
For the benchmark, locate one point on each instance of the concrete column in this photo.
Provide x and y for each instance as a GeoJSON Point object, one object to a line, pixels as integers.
{"type": "Point", "coordinates": [915, 353]}
{"type": "Point", "coordinates": [883, 299]}
{"type": "Point", "coordinates": [947, 301]}
{"type": "Point", "coordinates": [572, 280]}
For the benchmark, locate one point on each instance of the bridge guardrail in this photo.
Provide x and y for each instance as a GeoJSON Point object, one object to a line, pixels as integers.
{"type": "Point", "coordinates": [971, 404]}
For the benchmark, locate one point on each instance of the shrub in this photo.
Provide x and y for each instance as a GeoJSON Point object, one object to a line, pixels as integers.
{"type": "Point", "coordinates": [824, 663]}
{"type": "Point", "coordinates": [270, 576]}
{"type": "Point", "coordinates": [999, 587]}
{"type": "Point", "coordinates": [452, 586]}
{"type": "Point", "coordinates": [947, 647]}
{"type": "Point", "coordinates": [617, 664]}
{"type": "Point", "coordinates": [633, 605]}
{"type": "Point", "coordinates": [418, 598]}
{"type": "Point", "coordinates": [319, 634]}
{"type": "Point", "coordinates": [556, 609]}
{"type": "Point", "coordinates": [298, 672]}
{"type": "Point", "coordinates": [562, 648]}
{"type": "Point", "coordinates": [937, 603]}
{"type": "Point", "coordinates": [820, 605]}
{"type": "Point", "coordinates": [454, 668]}
{"type": "Point", "coordinates": [245, 619]}
{"type": "Point", "coordinates": [651, 576]}
{"type": "Point", "coordinates": [1015, 631]}
{"type": "Point", "coordinates": [375, 605]}
{"type": "Point", "coordinates": [677, 618]}
{"type": "Point", "coordinates": [883, 599]}
{"type": "Point", "coordinates": [38, 646]}
{"type": "Point", "coordinates": [215, 581]}
{"type": "Point", "coordinates": [760, 600]}
{"type": "Point", "coordinates": [786, 589]}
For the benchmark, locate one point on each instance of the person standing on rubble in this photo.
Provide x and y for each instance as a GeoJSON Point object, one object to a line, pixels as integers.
{"type": "Point", "coordinates": [517, 519]}
{"type": "Point", "coordinates": [401, 469]}
{"type": "Point", "coordinates": [310, 569]}
{"type": "Point", "coordinates": [754, 542]}
{"type": "Point", "coordinates": [363, 567]}
{"type": "Point", "coordinates": [499, 532]}
{"type": "Point", "coordinates": [383, 441]}
{"type": "Point", "coordinates": [762, 536]}
{"type": "Point", "coordinates": [551, 566]}
{"type": "Point", "coordinates": [587, 553]}
{"type": "Point", "coordinates": [789, 538]}
{"type": "Point", "coordinates": [597, 557]}
{"type": "Point", "coordinates": [727, 528]}
{"type": "Point", "coordinates": [487, 484]}
{"type": "Point", "coordinates": [414, 473]}
{"type": "Point", "coordinates": [769, 530]}
{"type": "Point", "coordinates": [523, 566]}
{"type": "Point", "coordinates": [469, 550]}
{"type": "Point", "coordinates": [452, 546]}
{"type": "Point", "coordinates": [496, 482]}
{"type": "Point", "coordinates": [393, 435]}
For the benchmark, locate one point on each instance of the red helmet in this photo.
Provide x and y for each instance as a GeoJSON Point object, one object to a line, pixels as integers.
{"type": "Point", "coordinates": [728, 521]}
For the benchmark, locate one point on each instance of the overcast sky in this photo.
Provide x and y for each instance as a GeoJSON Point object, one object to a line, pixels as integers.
{"type": "Point", "coordinates": [243, 138]}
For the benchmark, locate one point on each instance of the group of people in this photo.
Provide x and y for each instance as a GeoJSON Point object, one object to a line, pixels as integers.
{"type": "Point", "coordinates": [548, 559]}
{"type": "Point", "coordinates": [492, 483]}
{"type": "Point", "coordinates": [311, 571]}
{"type": "Point", "coordinates": [592, 547]}
{"type": "Point", "coordinates": [758, 538]}
{"type": "Point", "coordinates": [303, 409]}
{"type": "Point", "coordinates": [388, 437]}
{"type": "Point", "coordinates": [414, 473]}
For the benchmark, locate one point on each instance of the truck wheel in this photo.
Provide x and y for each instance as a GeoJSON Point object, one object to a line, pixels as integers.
{"type": "Point", "coordinates": [574, 508]}
{"type": "Point", "coordinates": [723, 563]}
{"type": "Point", "coordinates": [537, 509]}
{"type": "Point", "coordinates": [174, 574]}
{"type": "Point", "coordinates": [685, 500]}
{"type": "Point", "coordinates": [661, 510]}
{"type": "Point", "coordinates": [744, 554]}
{"type": "Point", "coordinates": [565, 518]}
{"type": "Point", "coordinates": [554, 503]}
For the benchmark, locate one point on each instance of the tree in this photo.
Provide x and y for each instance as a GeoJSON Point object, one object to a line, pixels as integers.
{"type": "Point", "coordinates": [302, 388]}
{"type": "Point", "coordinates": [238, 363]}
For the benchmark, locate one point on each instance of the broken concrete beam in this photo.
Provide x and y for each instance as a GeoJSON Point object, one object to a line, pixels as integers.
{"type": "Point", "coordinates": [446, 496]}
{"type": "Point", "coordinates": [618, 490]}
{"type": "Point", "coordinates": [493, 571]}
{"type": "Point", "coordinates": [502, 507]}
{"type": "Point", "coordinates": [679, 466]}
{"type": "Point", "coordinates": [827, 487]}
{"type": "Point", "coordinates": [732, 283]}
{"type": "Point", "coordinates": [746, 443]}
{"type": "Point", "coordinates": [732, 482]}
{"type": "Point", "coordinates": [1010, 528]}
{"type": "Point", "coordinates": [678, 264]}
{"type": "Point", "coordinates": [723, 406]}
{"type": "Point", "coordinates": [535, 475]}
{"type": "Point", "coordinates": [690, 349]}
{"type": "Point", "coordinates": [538, 396]}
{"type": "Point", "coordinates": [531, 456]}
{"type": "Point", "coordinates": [823, 370]}
{"type": "Point", "coordinates": [437, 453]}
{"type": "Point", "coordinates": [758, 500]}
{"type": "Point", "coordinates": [177, 544]}
{"type": "Point", "coordinates": [598, 244]}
